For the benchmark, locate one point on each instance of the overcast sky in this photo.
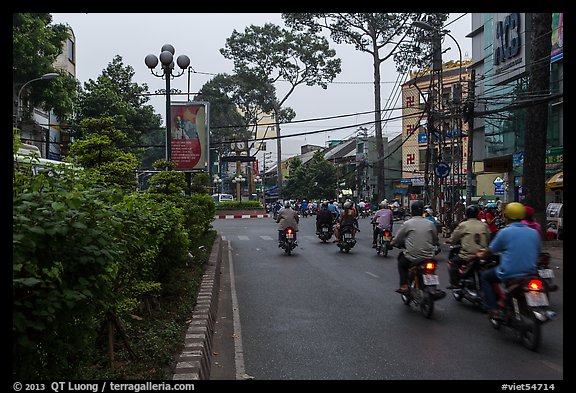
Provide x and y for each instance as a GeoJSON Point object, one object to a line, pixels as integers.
{"type": "Point", "coordinates": [101, 36]}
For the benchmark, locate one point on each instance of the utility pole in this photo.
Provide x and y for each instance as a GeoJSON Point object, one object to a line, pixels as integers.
{"type": "Point", "coordinates": [469, 118]}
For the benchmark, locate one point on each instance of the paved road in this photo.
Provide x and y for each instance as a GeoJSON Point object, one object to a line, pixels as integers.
{"type": "Point", "coordinates": [319, 314]}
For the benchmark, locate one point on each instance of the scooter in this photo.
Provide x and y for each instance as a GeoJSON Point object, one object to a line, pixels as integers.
{"type": "Point", "coordinates": [326, 232]}
{"type": "Point", "coordinates": [423, 287]}
{"type": "Point", "coordinates": [526, 309]}
{"type": "Point", "coordinates": [347, 241]}
{"type": "Point", "coordinates": [384, 242]}
{"type": "Point", "coordinates": [469, 277]}
{"type": "Point", "coordinates": [288, 240]}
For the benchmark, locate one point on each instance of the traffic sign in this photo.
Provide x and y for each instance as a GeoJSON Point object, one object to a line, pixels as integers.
{"type": "Point", "coordinates": [441, 169]}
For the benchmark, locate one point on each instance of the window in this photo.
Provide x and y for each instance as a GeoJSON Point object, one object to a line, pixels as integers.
{"type": "Point", "coordinates": [71, 51]}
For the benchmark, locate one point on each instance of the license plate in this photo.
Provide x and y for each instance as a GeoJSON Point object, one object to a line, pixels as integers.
{"type": "Point", "coordinates": [387, 238]}
{"type": "Point", "coordinates": [289, 236]}
{"type": "Point", "coordinates": [546, 273]}
{"type": "Point", "coordinates": [325, 230]}
{"type": "Point", "coordinates": [536, 299]}
{"type": "Point", "coordinates": [430, 279]}
{"type": "Point", "coordinates": [347, 236]}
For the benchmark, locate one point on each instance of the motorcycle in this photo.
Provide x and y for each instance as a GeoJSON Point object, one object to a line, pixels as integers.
{"type": "Point", "coordinates": [347, 241]}
{"type": "Point", "coordinates": [545, 272]}
{"type": "Point", "coordinates": [469, 277]}
{"type": "Point", "coordinates": [423, 287]}
{"type": "Point", "coordinates": [526, 308]}
{"type": "Point", "coordinates": [326, 232]}
{"type": "Point", "coordinates": [384, 242]}
{"type": "Point", "coordinates": [288, 240]}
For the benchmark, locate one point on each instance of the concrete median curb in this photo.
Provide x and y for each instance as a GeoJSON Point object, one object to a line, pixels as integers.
{"type": "Point", "coordinates": [193, 363]}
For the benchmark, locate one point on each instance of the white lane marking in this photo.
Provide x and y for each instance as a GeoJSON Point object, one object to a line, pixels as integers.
{"type": "Point", "coordinates": [266, 237]}
{"type": "Point", "coordinates": [372, 274]}
{"type": "Point", "coordinates": [243, 237]}
{"type": "Point", "coordinates": [238, 351]}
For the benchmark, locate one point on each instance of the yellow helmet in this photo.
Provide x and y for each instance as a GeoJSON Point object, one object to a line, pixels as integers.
{"type": "Point", "coordinates": [515, 211]}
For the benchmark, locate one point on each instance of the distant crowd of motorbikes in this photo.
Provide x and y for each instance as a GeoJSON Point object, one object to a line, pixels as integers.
{"type": "Point", "coordinates": [525, 301]}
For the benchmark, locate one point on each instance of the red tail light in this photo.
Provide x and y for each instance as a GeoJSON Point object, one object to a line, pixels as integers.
{"type": "Point", "coordinates": [386, 233]}
{"type": "Point", "coordinates": [430, 265]}
{"type": "Point", "coordinates": [289, 230]}
{"type": "Point", "coordinates": [535, 285]}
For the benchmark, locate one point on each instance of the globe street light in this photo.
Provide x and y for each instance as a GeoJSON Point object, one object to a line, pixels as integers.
{"type": "Point", "coordinates": [238, 180]}
{"type": "Point", "coordinates": [258, 180]}
{"type": "Point", "coordinates": [50, 75]}
{"type": "Point", "coordinates": [217, 181]}
{"type": "Point", "coordinates": [167, 60]}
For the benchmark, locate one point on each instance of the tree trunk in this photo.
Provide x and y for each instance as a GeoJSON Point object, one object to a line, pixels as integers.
{"type": "Point", "coordinates": [381, 190]}
{"type": "Point", "coordinates": [533, 177]}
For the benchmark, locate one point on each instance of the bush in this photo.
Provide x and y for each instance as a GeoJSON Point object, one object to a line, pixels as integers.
{"type": "Point", "coordinates": [239, 205]}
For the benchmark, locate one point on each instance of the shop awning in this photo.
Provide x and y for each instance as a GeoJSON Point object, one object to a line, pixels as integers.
{"type": "Point", "coordinates": [555, 181]}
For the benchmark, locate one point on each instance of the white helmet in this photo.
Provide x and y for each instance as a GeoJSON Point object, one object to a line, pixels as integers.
{"type": "Point", "coordinates": [287, 204]}
{"type": "Point", "coordinates": [384, 204]}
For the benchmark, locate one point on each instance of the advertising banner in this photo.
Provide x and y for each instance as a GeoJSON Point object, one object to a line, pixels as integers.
{"type": "Point", "coordinates": [189, 135]}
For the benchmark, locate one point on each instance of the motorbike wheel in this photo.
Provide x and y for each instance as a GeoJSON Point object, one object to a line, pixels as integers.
{"type": "Point", "coordinates": [457, 296]}
{"type": "Point", "coordinates": [530, 330]}
{"type": "Point", "coordinates": [427, 305]}
{"type": "Point", "coordinates": [405, 299]}
{"type": "Point", "coordinates": [288, 250]}
{"type": "Point", "coordinates": [385, 252]}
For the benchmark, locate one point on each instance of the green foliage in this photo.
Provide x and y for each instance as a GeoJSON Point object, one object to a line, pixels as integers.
{"type": "Point", "coordinates": [99, 151]}
{"type": "Point", "coordinates": [36, 43]}
{"type": "Point", "coordinates": [314, 180]}
{"type": "Point", "coordinates": [67, 241]}
{"type": "Point", "coordinates": [239, 205]}
{"type": "Point", "coordinates": [83, 251]}
{"type": "Point", "coordinates": [114, 95]}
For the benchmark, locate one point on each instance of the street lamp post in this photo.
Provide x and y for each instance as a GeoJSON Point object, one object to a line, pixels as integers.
{"type": "Point", "coordinates": [167, 60]}
{"type": "Point", "coordinates": [217, 181]}
{"type": "Point", "coordinates": [50, 75]}
{"type": "Point", "coordinates": [238, 180]}
{"type": "Point", "coordinates": [258, 180]}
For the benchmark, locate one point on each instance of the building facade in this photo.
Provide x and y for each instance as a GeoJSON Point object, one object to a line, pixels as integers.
{"type": "Point", "coordinates": [501, 61]}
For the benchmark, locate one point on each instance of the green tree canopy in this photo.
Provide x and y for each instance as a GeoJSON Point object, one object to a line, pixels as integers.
{"type": "Point", "coordinates": [316, 179]}
{"type": "Point", "coordinates": [114, 95]}
{"type": "Point", "coordinates": [273, 54]}
{"type": "Point", "coordinates": [381, 35]}
{"type": "Point", "coordinates": [36, 44]}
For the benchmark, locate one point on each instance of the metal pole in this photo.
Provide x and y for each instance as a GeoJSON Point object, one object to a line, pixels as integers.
{"type": "Point", "coordinates": [167, 74]}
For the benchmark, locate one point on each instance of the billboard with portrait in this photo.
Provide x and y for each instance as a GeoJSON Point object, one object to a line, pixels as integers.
{"type": "Point", "coordinates": [189, 135]}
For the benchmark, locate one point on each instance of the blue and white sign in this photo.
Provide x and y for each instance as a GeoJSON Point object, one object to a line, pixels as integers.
{"type": "Point", "coordinates": [441, 169]}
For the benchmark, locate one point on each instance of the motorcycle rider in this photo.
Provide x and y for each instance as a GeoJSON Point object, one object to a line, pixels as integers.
{"type": "Point", "coordinates": [383, 219]}
{"type": "Point", "coordinates": [287, 217]}
{"type": "Point", "coordinates": [473, 235]}
{"type": "Point", "coordinates": [518, 246]}
{"type": "Point", "coordinates": [346, 218]}
{"type": "Point", "coordinates": [419, 237]}
{"type": "Point", "coordinates": [324, 216]}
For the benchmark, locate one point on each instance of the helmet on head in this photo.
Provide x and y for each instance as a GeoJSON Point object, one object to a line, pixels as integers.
{"type": "Point", "coordinates": [417, 208]}
{"type": "Point", "coordinates": [384, 204]}
{"type": "Point", "coordinates": [347, 205]}
{"type": "Point", "coordinates": [287, 204]}
{"type": "Point", "coordinates": [515, 211]}
{"type": "Point", "coordinates": [325, 204]}
{"type": "Point", "coordinates": [529, 212]}
{"type": "Point", "coordinates": [472, 211]}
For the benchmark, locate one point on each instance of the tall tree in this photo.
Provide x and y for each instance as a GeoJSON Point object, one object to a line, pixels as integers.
{"type": "Point", "coordinates": [36, 43]}
{"type": "Point", "coordinates": [378, 34]}
{"type": "Point", "coordinates": [534, 167]}
{"type": "Point", "coordinates": [113, 94]}
{"type": "Point", "coordinates": [274, 54]}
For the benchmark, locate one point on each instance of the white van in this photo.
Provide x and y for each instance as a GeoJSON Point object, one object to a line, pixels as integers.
{"type": "Point", "coordinates": [217, 198]}
{"type": "Point", "coordinates": [28, 157]}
